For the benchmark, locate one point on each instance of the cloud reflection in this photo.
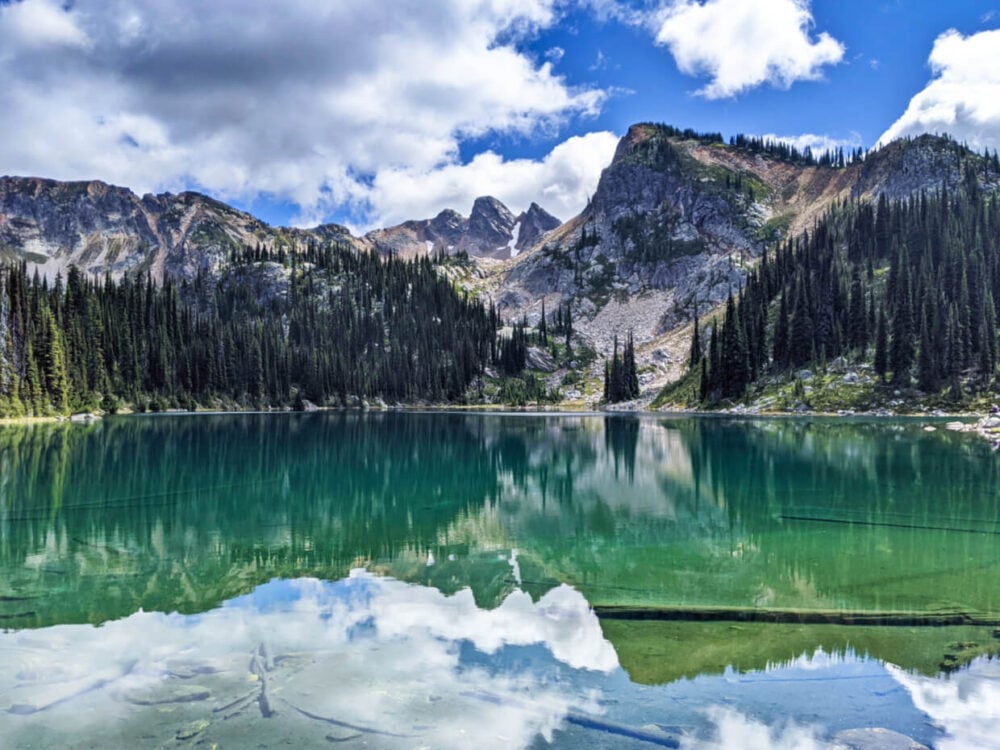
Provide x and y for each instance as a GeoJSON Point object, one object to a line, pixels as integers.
{"type": "Point", "coordinates": [966, 705]}
{"type": "Point", "coordinates": [363, 656]}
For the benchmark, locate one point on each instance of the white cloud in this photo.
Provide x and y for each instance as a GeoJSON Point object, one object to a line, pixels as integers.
{"type": "Point", "coordinates": [966, 705]}
{"type": "Point", "coordinates": [819, 144]}
{"type": "Point", "coordinates": [733, 729]}
{"type": "Point", "coordinates": [561, 182]}
{"type": "Point", "coordinates": [963, 97]}
{"type": "Point", "coordinates": [42, 24]}
{"type": "Point", "coordinates": [308, 102]}
{"type": "Point", "coordinates": [741, 45]}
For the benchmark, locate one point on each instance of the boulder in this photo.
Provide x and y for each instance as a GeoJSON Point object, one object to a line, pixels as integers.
{"type": "Point", "coordinates": [539, 359]}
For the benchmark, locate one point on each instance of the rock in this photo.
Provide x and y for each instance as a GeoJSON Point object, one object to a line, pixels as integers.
{"type": "Point", "coordinates": [539, 359]}
{"type": "Point", "coordinates": [928, 428]}
{"type": "Point", "coordinates": [84, 417]}
{"type": "Point", "coordinates": [875, 738]}
{"type": "Point", "coordinates": [852, 377]}
{"type": "Point", "coordinates": [192, 730]}
{"type": "Point", "coordinates": [534, 224]}
{"type": "Point", "coordinates": [804, 375]}
{"type": "Point", "coordinates": [100, 228]}
{"type": "Point", "coordinates": [989, 423]}
{"type": "Point", "coordinates": [308, 405]}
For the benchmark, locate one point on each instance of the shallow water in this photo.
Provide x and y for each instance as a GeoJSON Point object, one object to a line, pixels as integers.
{"type": "Point", "coordinates": [407, 580]}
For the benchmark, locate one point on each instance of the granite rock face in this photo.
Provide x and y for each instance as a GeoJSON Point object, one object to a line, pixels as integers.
{"type": "Point", "coordinates": [676, 224]}
{"type": "Point", "coordinates": [490, 231]}
{"type": "Point", "coordinates": [103, 229]}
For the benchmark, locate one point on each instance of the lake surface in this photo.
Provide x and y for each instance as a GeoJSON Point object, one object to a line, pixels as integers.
{"type": "Point", "coordinates": [452, 580]}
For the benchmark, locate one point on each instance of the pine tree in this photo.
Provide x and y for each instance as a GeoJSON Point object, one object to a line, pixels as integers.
{"type": "Point", "coordinates": [881, 346]}
{"type": "Point", "coordinates": [694, 356]}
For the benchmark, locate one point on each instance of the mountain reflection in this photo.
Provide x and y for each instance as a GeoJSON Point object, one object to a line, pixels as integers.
{"type": "Point", "coordinates": [180, 513]}
{"type": "Point", "coordinates": [372, 661]}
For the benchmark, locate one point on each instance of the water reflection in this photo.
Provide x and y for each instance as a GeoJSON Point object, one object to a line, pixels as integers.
{"type": "Point", "coordinates": [378, 662]}
{"type": "Point", "coordinates": [686, 517]}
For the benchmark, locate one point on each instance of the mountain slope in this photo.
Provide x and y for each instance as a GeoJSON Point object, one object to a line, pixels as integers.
{"type": "Point", "coordinates": [678, 221]}
{"type": "Point", "coordinates": [105, 229]}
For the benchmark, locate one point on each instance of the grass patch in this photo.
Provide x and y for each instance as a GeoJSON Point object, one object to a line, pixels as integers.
{"type": "Point", "coordinates": [681, 394]}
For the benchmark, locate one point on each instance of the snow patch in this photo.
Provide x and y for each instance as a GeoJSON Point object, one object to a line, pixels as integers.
{"type": "Point", "coordinates": [512, 245]}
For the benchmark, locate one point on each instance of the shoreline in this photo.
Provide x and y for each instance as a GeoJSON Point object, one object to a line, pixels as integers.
{"type": "Point", "coordinates": [567, 409]}
{"type": "Point", "coordinates": [23, 421]}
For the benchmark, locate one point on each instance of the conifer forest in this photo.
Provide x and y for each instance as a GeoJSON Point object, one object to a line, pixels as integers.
{"type": "Point", "coordinates": [343, 324]}
{"type": "Point", "coordinates": [910, 286]}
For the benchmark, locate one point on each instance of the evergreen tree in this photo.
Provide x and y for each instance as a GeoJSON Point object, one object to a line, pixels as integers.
{"type": "Point", "coordinates": [881, 346]}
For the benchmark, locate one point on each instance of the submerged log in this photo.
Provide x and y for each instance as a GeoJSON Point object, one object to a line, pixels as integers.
{"type": "Point", "coordinates": [794, 616]}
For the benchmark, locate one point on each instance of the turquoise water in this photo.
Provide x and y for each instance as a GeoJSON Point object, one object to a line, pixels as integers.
{"type": "Point", "coordinates": [440, 580]}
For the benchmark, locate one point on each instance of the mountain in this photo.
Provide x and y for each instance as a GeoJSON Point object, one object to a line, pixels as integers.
{"type": "Point", "coordinates": [490, 231]}
{"type": "Point", "coordinates": [105, 229]}
{"type": "Point", "coordinates": [883, 304]}
{"type": "Point", "coordinates": [679, 219]}
{"type": "Point", "coordinates": [532, 225]}
{"type": "Point", "coordinates": [678, 222]}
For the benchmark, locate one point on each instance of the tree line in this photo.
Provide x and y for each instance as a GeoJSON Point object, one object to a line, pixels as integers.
{"type": "Point", "coordinates": [321, 323]}
{"type": "Point", "coordinates": [910, 286]}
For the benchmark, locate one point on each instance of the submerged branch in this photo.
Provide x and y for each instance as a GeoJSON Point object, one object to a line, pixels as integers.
{"type": "Point", "coordinates": [792, 616]}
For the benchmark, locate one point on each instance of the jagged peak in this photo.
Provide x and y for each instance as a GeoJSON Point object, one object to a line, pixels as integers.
{"type": "Point", "coordinates": [487, 204]}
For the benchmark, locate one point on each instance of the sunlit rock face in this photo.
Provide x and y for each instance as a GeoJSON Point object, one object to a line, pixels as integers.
{"type": "Point", "coordinates": [490, 231]}
{"type": "Point", "coordinates": [103, 229]}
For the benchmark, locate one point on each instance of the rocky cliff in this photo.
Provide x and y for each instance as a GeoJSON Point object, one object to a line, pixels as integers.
{"type": "Point", "coordinates": [677, 221]}
{"type": "Point", "coordinates": [490, 231]}
{"type": "Point", "coordinates": [105, 229]}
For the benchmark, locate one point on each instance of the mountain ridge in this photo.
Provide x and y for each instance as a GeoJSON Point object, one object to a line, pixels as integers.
{"type": "Point", "coordinates": [675, 225]}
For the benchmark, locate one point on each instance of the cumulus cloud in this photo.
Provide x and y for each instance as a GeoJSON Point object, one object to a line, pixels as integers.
{"type": "Point", "coordinates": [742, 45]}
{"type": "Point", "coordinates": [561, 182]}
{"type": "Point", "coordinates": [733, 729]}
{"type": "Point", "coordinates": [966, 705]}
{"type": "Point", "coordinates": [818, 143]}
{"type": "Point", "coordinates": [963, 97]}
{"type": "Point", "coordinates": [309, 102]}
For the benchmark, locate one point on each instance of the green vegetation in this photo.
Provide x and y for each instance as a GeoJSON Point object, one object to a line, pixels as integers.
{"type": "Point", "coordinates": [648, 238]}
{"type": "Point", "coordinates": [907, 288]}
{"type": "Point", "coordinates": [621, 380]}
{"type": "Point", "coordinates": [336, 323]}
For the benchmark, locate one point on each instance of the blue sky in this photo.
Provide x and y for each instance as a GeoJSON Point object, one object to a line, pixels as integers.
{"type": "Point", "coordinates": [372, 113]}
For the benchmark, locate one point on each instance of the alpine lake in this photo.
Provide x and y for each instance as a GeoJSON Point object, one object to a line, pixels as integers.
{"type": "Point", "coordinates": [455, 580]}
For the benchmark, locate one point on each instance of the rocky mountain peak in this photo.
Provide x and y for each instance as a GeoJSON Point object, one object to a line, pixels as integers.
{"type": "Point", "coordinates": [911, 165]}
{"type": "Point", "coordinates": [532, 225]}
{"type": "Point", "coordinates": [101, 228]}
{"type": "Point", "coordinates": [450, 225]}
{"type": "Point", "coordinates": [490, 231]}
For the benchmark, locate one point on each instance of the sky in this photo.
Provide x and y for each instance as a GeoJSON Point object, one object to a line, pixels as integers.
{"type": "Point", "coordinates": [372, 112]}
